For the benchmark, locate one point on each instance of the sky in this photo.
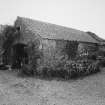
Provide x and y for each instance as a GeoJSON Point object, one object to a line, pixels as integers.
{"type": "Point", "coordinates": [84, 15]}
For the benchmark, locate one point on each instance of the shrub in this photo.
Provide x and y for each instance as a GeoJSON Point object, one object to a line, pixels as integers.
{"type": "Point", "coordinates": [27, 70]}
{"type": "Point", "coordinates": [69, 69]}
{"type": "Point", "coordinates": [81, 68]}
{"type": "Point", "coordinates": [71, 49]}
{"type": "Point", "coordinates": [59, 66]}
{"type": "Point", "coordinates": [102, 63]}
{"type": "Point", "coordinates": [93, 67]}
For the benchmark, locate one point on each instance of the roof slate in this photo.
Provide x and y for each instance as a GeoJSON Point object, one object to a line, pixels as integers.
{"type": "Point", "coordinates": [52, 31]}
{"type": "Point", "coordinates": [102, 41]}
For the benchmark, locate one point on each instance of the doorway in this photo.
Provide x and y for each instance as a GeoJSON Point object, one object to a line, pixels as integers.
{"type": "Point", "coordinates": [20, 55]}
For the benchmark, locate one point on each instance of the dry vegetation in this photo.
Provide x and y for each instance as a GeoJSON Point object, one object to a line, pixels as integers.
{"type": "Point", "coordinates": [17, 90]}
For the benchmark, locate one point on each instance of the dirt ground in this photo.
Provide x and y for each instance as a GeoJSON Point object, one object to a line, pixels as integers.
{"type": "Point", "coordinates": [16, 90]}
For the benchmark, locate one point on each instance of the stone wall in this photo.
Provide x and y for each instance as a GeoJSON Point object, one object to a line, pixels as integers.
{"type": "Point", "coordinates": [52, 52]}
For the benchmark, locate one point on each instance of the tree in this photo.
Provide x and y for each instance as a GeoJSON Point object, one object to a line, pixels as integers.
{"type": "Point", "coordinates": [10, 33]}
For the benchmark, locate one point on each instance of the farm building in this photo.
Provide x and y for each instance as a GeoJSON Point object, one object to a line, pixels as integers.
{"type": "Point", "coordinates": [49, 41]}
{"type": "Point", "coordinates": [101, 45]}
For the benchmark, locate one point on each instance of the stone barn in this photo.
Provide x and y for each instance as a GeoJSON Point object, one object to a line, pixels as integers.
{"type": "Point", "coordinates": [101, 45]}
{"type": "Point", "coordinates": [49, 41]}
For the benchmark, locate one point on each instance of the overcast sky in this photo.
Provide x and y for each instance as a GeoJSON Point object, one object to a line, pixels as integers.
{"type": "Point", "coordinates": [85, 15]}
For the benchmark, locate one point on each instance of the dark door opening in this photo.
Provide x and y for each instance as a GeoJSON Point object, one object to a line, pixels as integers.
{"type": "Point", "coordinates": [20, 56]}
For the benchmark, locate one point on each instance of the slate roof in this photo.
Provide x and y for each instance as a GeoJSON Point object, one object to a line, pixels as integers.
{"type": "Point", "coordinates": [52, 31]}
{"type": "Point", "coordinates": [100, 40]}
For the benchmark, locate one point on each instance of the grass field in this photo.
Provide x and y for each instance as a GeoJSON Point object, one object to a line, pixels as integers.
{"type": "Point", "coordinates": [17, 90]}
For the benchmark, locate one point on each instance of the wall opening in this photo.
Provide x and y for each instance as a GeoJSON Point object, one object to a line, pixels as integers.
{"type": "Point", "coordinates": [20, 55]}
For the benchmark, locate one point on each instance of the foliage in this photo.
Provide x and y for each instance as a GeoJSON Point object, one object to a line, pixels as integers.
{"type": "Point", "coordinates": [10, 34]}
{"type": "Point", "coordinates": [26, 70]}
{"type": "Point", "coordinates": [69, 68]}
{"type": "Point", "coordinates": [54, 65]}
{"type": "Point", "coordinates": [34, 54]}
{"type": "Point", "coordinates": [71, 49]}
{"type": "Point", "coordinates": [51, 66]}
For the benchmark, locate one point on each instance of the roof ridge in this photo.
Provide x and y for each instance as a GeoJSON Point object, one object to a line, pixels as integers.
{"type": "Point", "coordinates": [95, 36]}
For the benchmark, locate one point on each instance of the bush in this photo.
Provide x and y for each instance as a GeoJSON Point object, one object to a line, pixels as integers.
{"type": "Point", "coordinates": [27, 70]}
{"type": "Point", "coordinates": [61, 67]}
{"type": "Point", "coordinates": [70, 69]}
{"type": "Point", "coordinates": [94, 67]}
{"type": "Point", "coordinates": [65, 70]}
{"type": "Point", "coordinates": [102, 63]}
{"type": "Point", "coordinates": [81, 68]}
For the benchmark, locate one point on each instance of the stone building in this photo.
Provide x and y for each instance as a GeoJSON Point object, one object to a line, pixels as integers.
{"type": "Point", "coordinates": [50, 41]}
{"type": "Point", "coordinates": [53, 41]}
